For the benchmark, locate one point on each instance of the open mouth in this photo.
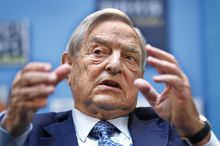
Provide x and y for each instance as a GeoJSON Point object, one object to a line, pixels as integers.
{"type": "Point", "coordinates": [111, 83]}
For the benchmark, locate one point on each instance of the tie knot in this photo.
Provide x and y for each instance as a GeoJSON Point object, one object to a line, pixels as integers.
{"type": "Point", "coordinates": [103, 129]}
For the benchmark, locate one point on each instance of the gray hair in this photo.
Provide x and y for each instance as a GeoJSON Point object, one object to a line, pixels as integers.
{"type": "Point", "coordinates": [80, 33]}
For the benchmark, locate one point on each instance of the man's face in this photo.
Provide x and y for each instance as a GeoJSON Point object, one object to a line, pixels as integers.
{"type": "Point", "coordinates": [104, 71]}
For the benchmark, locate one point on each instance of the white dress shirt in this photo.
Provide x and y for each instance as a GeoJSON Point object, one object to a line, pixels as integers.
{"type": "Point", "coordinates": [84, 124]}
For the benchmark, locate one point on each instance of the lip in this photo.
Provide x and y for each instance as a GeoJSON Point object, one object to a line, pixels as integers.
{"type": "Point", "coordinates": [110, 84]}
{"type": "Point", "coordinates": [109, 88]}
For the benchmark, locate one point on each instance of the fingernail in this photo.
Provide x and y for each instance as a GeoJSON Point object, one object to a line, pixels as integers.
{"type": "Point", "coordinates": [148, 45]}
{"type": "Point", "coordinates": [138, 81]}
{"type": "Point", "coordinates": [150, 58]}
{"type": "Point", "coordinates": [47, 67]}
{"type": "Point", "coordinates": [66, 65]}
{"type": "Point", "coordinates": [156, 77]}
{"type": "Point", "coordinates": [52, 77]}
{"type": "Point", "coordinates": [50, 89]}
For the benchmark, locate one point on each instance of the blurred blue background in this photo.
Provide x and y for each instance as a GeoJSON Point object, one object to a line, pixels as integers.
{"type": "Point", "coordinates": [194, 38]}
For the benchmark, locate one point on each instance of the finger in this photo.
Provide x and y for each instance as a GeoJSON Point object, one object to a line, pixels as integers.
{"type": "Point", "coordinates": [40, 102]}
{"type": "Point", "coordinates": [164, 66]}
{"type": "Point", "coordinates": [37, 66]}
{"type": "Point", "coordinates": [28, 93]}
{"type": "Point", "coordinates": [169, 79]}
{"type": "Point", "coordinates": [17, 79]}
{"type": "Point", "coordinates": [61, 72]}
{"type": "Point", "coordinates": [160, 54]}
{"type": "Point", "coordinates": [30, 105]}
{"type": "Point", "coordinates": [147, 90]}
{"type": "Point", "coordinates": [33, 78]}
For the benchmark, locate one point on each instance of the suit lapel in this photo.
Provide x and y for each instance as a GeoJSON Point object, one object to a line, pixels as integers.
{"type": "Point", "coordinates": [61, 134]}
{"type": "Point", "coordinates": [148, 133]}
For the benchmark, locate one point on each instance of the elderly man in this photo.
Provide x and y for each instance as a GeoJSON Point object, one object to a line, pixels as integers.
{"type": "Point", "coordinates": [104, 65]}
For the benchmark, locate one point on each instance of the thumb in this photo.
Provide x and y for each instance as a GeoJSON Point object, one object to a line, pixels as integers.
{"type": "Point", "coordinates": [147, 90]}
{"type": "Point", "coordinates": [61, 72]}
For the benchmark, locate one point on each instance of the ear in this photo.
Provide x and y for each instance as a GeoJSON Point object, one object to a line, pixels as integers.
{"type": "Point", "coordinates": [67, 59]}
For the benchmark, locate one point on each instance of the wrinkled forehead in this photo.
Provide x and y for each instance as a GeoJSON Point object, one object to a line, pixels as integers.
{"type": "Point", "coordinates": [81, 33]}
{"type": "Point", "coordinates": [111, 30]}
{"type": "Point", "coordinates": [114, 27]}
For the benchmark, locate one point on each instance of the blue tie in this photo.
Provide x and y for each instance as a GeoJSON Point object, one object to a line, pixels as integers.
{"type": "Point", "coordinates": [102, 131]}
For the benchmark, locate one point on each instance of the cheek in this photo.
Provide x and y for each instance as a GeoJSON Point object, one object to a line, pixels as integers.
{"type": "Point", "coordinates": [90, 67]}
{"type": "Point", "coordinates": [81, 86]}
{"type": "Point", "coordinates": [134, 67]}
{"type": "Point", "coordinates": [93, 67]}
{"type": "Point", "coordinates": [130, 75]}
{"type": "Point", "coordinates": [92, 59]}
{"type": "Point", "coordinates": [78, 76]}
{"type": "Point", "coordinates": [132, 72]}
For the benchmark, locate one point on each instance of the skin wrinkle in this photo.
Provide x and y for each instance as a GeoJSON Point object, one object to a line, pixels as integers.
{"type": "Point", "coordinates": [130, 48]}
{"type": "Point", "coordinates": [102, 50]}
{"type": "Point", "coordinates": [139, 48]}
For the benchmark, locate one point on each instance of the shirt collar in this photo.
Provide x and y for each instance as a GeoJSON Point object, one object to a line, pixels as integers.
{"type": "Point", "coordinates": [84, 124]}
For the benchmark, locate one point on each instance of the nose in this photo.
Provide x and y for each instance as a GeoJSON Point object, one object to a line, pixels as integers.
{"type": "Point", "coordinates": [114, 63]}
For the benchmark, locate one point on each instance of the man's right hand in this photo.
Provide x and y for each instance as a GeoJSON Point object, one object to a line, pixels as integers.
{"type": "Point", "coordinates": [29, 92]}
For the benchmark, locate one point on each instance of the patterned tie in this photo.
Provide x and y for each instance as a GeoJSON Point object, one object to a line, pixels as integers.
{"type": "Point", "coordinates": [102, 131]}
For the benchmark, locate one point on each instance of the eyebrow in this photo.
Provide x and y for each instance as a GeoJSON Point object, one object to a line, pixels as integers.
{"type": "Point", "coordinates": [133, 49]}
{"type": "Point", "coordinates": [99, 40]}
{"type": "Point", "coordinates": [127, 48]}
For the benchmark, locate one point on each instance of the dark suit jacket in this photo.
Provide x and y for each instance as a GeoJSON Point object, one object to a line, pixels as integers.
{"type": "Point", "coordinates": [146, 129]}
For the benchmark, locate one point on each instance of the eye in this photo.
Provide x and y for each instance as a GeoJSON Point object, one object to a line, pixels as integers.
{"type": "Point", "coordinates": [97, 51]}
{"type": "Point", "coordinates": [130, 58]}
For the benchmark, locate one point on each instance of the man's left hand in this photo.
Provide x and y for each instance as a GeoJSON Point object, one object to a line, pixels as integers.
{"type": "Point", "coordinates": [175, 103]}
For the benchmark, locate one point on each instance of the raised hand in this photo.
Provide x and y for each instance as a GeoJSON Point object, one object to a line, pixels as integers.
{"type": "Point", "coordinates": [29, 92]}
{"type": "Point", "coordinates": [175, 103]}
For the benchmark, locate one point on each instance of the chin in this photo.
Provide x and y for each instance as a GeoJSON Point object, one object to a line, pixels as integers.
{"type": "Point", "coordinates": [109, 102]}
{"type": "Point", "coordinates": [112, 114]}
{"type": "Point", "coordinates": [114, 108]}
{"type": "Point", "coordinates": [106, 107]}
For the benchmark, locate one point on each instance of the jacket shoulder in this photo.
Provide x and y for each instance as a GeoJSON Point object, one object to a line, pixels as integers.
{"type": "Point", "coordinates": [146, 113]}
{"type": "Point", "coordinates": [150, 119]}
{"type": "Point", "coordinates": [45, 119]}
{"type": "Point", "coordinates": [47, 126]}
{"type": "Point", "coordinates": [41, 121]}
